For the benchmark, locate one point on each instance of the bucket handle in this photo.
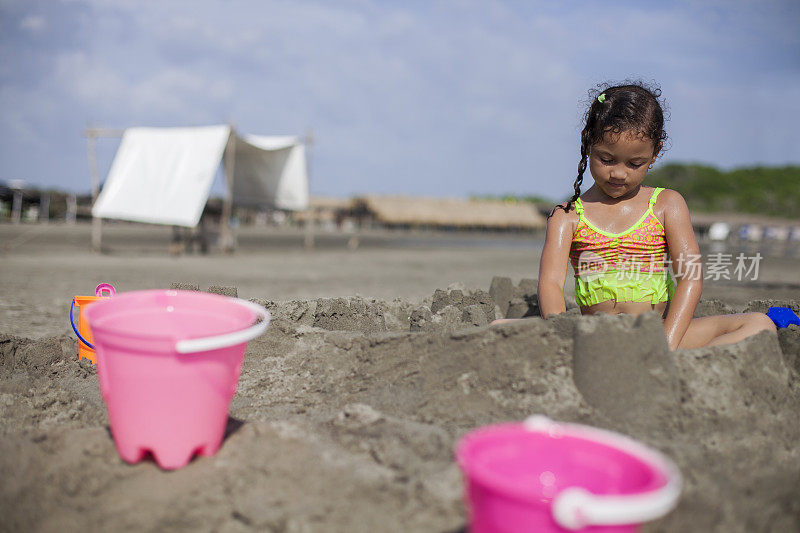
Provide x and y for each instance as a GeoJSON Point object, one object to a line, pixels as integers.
{"type": "Point", "coordinates": [75, 329]}
{"type": "Point", "coordinates": [106, 288]}
{"type": "Point", "coordinates": [575, 508]}
{"type": "Point", "coordinates": [228, 339]}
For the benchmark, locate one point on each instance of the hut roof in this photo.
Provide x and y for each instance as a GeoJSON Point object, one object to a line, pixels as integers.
{"type": "Point", "coordinates": [323, 209]}
{"type": "Point", "coordinates": [453, 212]}
{"type": "Point", "coordinates": [330, 202]}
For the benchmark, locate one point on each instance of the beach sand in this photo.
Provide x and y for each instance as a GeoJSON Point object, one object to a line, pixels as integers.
{"type": "Point", "coordinates": [376, 362]}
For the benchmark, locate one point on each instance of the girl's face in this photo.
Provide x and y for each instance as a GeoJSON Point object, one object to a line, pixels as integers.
{"type": "Point", "coordinates": [620, 161]}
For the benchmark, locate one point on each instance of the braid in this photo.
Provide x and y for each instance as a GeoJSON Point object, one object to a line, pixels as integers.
{"type": "Point", "coordinates": [585, 146]}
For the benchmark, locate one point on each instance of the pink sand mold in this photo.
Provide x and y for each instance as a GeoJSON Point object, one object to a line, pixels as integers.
{"type": "Point", "coordinates": [168, 363]}
{"type": "Point", "coordinates": [551, 477]}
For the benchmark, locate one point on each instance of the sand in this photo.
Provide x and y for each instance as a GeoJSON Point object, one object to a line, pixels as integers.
{"type": "Point", "coordinates": [348, 408]}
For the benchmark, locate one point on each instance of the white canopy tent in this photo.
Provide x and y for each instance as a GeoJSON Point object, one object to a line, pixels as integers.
{"type": "Point", "coordinates": [164, 175]}
{"type": "Point", "coordinates": [270, 171]}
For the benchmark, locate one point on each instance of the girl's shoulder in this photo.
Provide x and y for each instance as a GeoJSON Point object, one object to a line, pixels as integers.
{"type": "Point", "coordinates": [670, 205]}
{"type": "Point", "coordinates": [667, 197]}
{"type": "Point", "coordinates": [562, 218]}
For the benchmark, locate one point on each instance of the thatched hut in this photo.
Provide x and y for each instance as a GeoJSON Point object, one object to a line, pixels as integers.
{"type": "Point", "coordinates": [447, 213]}
{"type": "Point", "coordinates": [326, 210]}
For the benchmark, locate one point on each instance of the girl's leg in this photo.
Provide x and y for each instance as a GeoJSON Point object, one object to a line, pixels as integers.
{"type": "Point", "coordinates": [503, 321]}
{"type": "Point", "coordinates": [724, 329]}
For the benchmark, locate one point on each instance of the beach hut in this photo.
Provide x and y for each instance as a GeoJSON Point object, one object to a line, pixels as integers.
{"type": "Point", "coordinates": [719, 231]}
{"type": "Point", "coordinates": [448, 213]}
{"type": "Point", "coordinates": [328, 211]}
{"type": "Point", "coordinates": [750, 232]}
{"type": "Point", "coordinates": [164, 175]}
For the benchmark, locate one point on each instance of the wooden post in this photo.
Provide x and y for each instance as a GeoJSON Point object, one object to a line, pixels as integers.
{"type": "Point", "coordinates": [228, 241]}
{"type": "Point", "coordinates": [16, 206]}
{"type": "Point", "coordinates": [44, 208]}
{"type": "Point", "coordinates": [72, 209]}
{"type": "Point", "coordinates": [97, 228]}
{"type": "Point", "coordinates": [92, 134]}
{"type": "Point", "coordinates": [310, 223]}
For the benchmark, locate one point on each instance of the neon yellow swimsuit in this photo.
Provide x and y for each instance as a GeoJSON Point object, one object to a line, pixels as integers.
{"type": "Point", "coordinates": [626, 267]}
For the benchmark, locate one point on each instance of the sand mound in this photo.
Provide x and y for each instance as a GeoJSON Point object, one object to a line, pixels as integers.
{"type": "Point", "coordinates": [348, 410]}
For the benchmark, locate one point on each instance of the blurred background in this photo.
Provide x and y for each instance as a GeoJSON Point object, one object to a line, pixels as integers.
{"type": "Point", "coordinates": [472, 100]}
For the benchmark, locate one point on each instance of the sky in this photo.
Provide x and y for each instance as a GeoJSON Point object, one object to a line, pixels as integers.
{"type": "Point", "coordinates": [429, 98]}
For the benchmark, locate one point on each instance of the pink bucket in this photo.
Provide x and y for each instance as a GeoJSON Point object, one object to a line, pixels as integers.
{"type": "Point", "coordinates": [546, 476]}
{"type": "Point", "coordinates": [168, 363]}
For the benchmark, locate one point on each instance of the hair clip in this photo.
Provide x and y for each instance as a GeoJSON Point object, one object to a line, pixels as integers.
{"type": "Point", "coordinates": [601, 98]}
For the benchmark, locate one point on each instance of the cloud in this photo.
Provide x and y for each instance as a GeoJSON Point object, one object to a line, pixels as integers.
{"type": "Point", "coordinates": [172, 93]}
{"type": "Point", "coordinates": [33, 24]}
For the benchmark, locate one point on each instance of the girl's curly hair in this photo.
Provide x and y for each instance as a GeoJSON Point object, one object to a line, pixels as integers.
{"type": "Point", "coordinates": [633, 106]}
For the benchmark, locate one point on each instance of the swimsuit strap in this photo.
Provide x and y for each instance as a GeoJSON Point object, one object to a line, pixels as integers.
{"type": "Point", "coordinates": [655, 195]}
{"type": "Point", "coordinates": [579, 207]}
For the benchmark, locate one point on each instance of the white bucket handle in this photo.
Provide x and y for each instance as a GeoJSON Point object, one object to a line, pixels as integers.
{"type": "Point", "coordinates": [575, 508]}
{"type": "Point", "coordinates": [228, 339]}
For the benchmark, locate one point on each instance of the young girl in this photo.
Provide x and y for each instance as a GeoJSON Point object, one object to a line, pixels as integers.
{"type": "Point", "coordinates": [618, 234]}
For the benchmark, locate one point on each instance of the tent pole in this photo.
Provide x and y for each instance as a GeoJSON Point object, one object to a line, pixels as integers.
{"type": "Point", "coordinates": [97, 228]}
{"type": "Point", "coordinates": [16, 205]}
{"type": "Point", "coordinates": [312, 214]}
{"type": "Point", "coordinates": [228, 241]}
{"type": "Point", "coordinates": [44, 208]}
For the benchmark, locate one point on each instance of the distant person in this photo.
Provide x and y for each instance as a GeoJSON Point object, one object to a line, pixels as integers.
{"type": "Point", "coordinates": [617, 233]}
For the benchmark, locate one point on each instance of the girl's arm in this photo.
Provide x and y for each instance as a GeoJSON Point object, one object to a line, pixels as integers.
{"type": "Point", "coordinates": [553, 264]}
{"type": "Point", "coordinates": [687, 264]}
